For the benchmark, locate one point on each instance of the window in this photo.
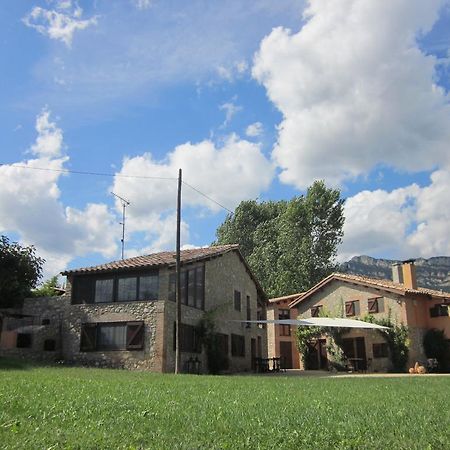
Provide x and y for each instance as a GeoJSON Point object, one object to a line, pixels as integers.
{"type": "Point", "coordinates": [237, 300]}
{"type": "Point", "coordinates": [439, 311]}
{"type": "Point", "coordinates": [222, 343]}
{"type": "Point", "coordinates": [375, 305]}
{"type": "Point", "coordinates": [149, 287]}
{"type": "Point", "coordinates": [104, 291]}
{"type": "Point", "coordinates": [316, 310]}
{"type": "Point", "coordinates": [284, 314]}
{"type": "Point", "coordinates": [352, 308]}
{"type": "Point", "coordinates": [190, 341]}
{"type": "Point", "coordinates": [249, 311]}
{"type": "Point", "coordinates": [237, 345]}
{"type": "Point", "coordinates": [112, 336]}
{"type": "Point", "coordinates": [380, 350]}
{"type": "Point", "coordinates": [192, 283]}
{"type": "Point", "coordinates": [126, 289]}
{"type": "Point", "coordinates": [24, 340]}
{"type": "Point", "coordinates": [118, 288]}
{"type": "Point", "coordinates": [45, 322]}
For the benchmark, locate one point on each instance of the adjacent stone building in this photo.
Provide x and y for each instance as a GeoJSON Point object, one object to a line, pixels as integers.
{"type": "Point", "coordinates": [122, 314]}
{"type": "Point", "coordinates": [352, 296]}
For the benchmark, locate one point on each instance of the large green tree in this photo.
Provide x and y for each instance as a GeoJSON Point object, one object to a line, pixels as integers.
{"type": "Point", "coordinates": [290, 245]}
{"type": "Point", "coordinates": [20, 271]}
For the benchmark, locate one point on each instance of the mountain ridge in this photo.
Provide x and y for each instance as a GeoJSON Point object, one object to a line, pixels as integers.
{"type": "Point", "coordinates": [432, 273]}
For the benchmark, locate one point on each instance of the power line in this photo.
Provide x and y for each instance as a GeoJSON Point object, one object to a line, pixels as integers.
{"type": "Point", "coordinates": [105, 174]}
{"type": "Point", "coordinates": [209, 198]}
{"type": "Point", "coordinates": [80, 172]}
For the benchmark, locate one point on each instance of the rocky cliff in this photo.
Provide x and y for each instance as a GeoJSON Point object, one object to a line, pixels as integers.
{"type": "Point", "coordinates": [432, 273]}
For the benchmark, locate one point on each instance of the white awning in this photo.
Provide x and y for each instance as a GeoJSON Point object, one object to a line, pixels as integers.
{"type": "Point", "coordinates": [321, 322]}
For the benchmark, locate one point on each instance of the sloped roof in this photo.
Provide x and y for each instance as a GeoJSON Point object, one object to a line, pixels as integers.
{"type": "Point", "coordinates": [168, 259]}
{"type": "Point", "coordinates": [387, 285]}
{"type": "Point", "coordinates": [157, 259]}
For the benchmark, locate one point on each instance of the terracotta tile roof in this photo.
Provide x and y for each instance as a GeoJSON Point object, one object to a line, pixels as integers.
{"type": "Point", "coordinates": [157, 259]}
{"type": "Point", "coordinates": [373, 282]}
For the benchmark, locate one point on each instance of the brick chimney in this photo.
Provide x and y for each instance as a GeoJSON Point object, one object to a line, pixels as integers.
{"type": "Point", "coordinates": [409, 274]}
{"type": "Point", "coordinates": [397, 273]}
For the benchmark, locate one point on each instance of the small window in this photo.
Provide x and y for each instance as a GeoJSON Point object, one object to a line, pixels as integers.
{"type": "Point", "coordinates": [24, 340]}
{"type": "Point", "coordinates": [172, 286]}
{"type": "Point", "coordinates": [237, 300]}
{"type": "Point", "coordinates": [104, 290]}
{"type": "Point", "coordinates": [375, 305]}
{"type": "Point", "coordinates": [200, 287]}
{"type": "Point", "coordinates": [222, 343]}
{"type": "Point", "coordinates": [45, 321]}
{"type": "Point", "coordinates": [149, 287]}
{"type": "Point", "coordinates": [285, 329]}
{"type": "Point", "coordinates": [249, 311]}
{"type": "Point", "coordinates": [316, 310]}
{"type": "Point", "coordinates": [191, 287]}
{"type": "Point", "coordinates": [126, 289]}
{"type": "Point", "coordinates": [380, 350]}
{"type": "Point", "coordinates": [237, 345]}
{"type": "Point", "coordinates": [190, 341]}
{"type": "Point", "coordinates": [49, 345]}
{"type": "Point", "coordinates": [111, 336]}
{"type": "Point", "coordinates": [439, 311]}
{"type": "Point", "coordinates": [352, 308]}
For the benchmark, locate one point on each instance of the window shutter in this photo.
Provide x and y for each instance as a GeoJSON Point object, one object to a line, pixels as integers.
{"type": "Point", "coordinates": [381, 304]}
{"type": "Point", "coordinates": [356, 308]}
{"type": "Point", "coordinates": [349, 309]}
{"type": "Point", "coordinates": [372, 305]}
{"type": "Point", "coordinates": [135, 335]}
{"type": "Point", "coordinates": [88, 338]}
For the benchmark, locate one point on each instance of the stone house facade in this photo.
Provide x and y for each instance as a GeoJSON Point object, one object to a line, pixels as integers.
{"type": "Point", "coordinates": [351, 296]}
{"type": "Point", "coordinates": [122, 314]}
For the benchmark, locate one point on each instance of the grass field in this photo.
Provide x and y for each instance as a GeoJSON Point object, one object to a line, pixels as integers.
{"type": "Point", "coordinates": [93, 408]}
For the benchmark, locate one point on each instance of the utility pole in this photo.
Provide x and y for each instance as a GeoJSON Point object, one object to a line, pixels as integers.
{"type": "Point", "coordinates": [125, 203]}
{"type": "Point", "coordinates": [178, 282]}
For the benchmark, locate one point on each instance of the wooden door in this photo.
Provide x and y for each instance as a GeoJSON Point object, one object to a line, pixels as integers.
{"type": "Point", "coordinates": [286, 355]}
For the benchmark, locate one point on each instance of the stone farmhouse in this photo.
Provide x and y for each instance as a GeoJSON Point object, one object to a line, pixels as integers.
{"type": "Point", "coordinates": [350, 296]}
{"type": "Point", "coordinates": [122, 314]}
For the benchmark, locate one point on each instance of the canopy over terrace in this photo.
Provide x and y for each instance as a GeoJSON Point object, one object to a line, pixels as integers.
{"type": "Point", "coordinates": [328, 322]}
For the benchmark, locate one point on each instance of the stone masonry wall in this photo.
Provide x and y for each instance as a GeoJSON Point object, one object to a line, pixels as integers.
{"type": "Point", "coordinates": [223, 275]}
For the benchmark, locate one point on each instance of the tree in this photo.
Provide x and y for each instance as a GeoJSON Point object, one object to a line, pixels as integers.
{"type": "Point", "coordinates": [20, 271]}
{"type": "Point", "coordinates": [49, 288]}
{"type": "Point", "coordinates": [290, 245]}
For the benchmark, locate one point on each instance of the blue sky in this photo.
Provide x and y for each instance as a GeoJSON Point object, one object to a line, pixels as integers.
{"type": "Point", "coordinates": [251, 99]}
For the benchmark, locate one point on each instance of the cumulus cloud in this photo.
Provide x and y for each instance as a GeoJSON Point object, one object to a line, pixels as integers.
{"type": "Point", "coordinates": [59, 23]}
{"type": "Point", "coordinates": [254, 129]}
{"type": "Point", "coordinates": [30, 205]}
{"type": "Point", "coordinates": [235, 171]}
{"type": "Point", "coordinates": [355, 90]}
{"type": "Point", "coordinates": [404, 223]}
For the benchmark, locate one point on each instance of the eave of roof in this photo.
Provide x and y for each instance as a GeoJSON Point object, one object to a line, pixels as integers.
{"type": "Point", "coordinates": [291, 297]}
{"type": "Point", "coordinates": [375, 283]}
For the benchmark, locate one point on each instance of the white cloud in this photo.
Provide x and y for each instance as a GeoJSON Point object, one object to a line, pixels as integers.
{"type": "Point", "coordinates": [233, 172]}
{"type": "Point", "coordinates": [59, 23]}
{"type": "Point", "coordinates": [254, 129]}
{"type": "Point", "coordinates": [404, 223]}
{"type": "Point", "coordinates": [50, 138]}
{"type": "Point", "coordinates": [231, 109]}
{"type": "Point", "coordinates": [142, 4]}
{"type": "Point", "coordinates": [355, 91]}
{"type": "Point", "coordinates": [30, 206]}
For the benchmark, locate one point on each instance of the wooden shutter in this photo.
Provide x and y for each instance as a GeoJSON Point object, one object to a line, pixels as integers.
{"type": "Point", "coordinates": [356, 309]}
{"type": "Point", "coordinates": [88, 338]}
{"type": "Point", "coordinates": [349, 309]}
{"type": "Point", "coordinates": [135, 335]}
{"type": "Point", "coordinates": [372, 305]}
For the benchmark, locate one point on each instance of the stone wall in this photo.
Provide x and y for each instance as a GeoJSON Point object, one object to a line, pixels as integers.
{"type": "Point", "coordinates": [223, 275]}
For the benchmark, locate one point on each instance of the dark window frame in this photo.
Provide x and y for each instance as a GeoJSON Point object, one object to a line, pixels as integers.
{"type": "Point", "coordinates": [195, 289]}
{"type": "Point", "coordinates": [373, 305]}
{"type": "Point", "coordinates": [284, 329]}
{"type": "Point", "coordinates": [134, 336]}
{"type": "Point", "coordinates": [84, 287]}
{"type": "Point", "coordinates": [439, 310]}
{"type": "Point", "coordinates": [238, 345]}
{"type": "Point", "coordinates": [237, 300]}
{"type": "Point", "coordinates": [351, 309]}
{"type": "Point", "coordinates": [190, 341]}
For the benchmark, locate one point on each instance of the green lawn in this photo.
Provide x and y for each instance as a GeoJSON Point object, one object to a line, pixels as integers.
{"type": "Point", "coordinates": [93, 408]}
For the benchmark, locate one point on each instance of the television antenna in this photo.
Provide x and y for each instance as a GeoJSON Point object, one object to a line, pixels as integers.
{"type": "Point", "coordinates": [125, 203]}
